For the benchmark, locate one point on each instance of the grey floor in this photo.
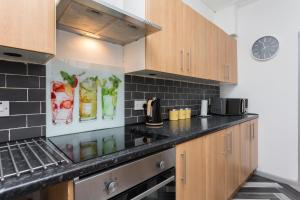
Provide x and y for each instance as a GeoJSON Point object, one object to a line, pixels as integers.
{"type": "Point", "coordinates": [265, 189]}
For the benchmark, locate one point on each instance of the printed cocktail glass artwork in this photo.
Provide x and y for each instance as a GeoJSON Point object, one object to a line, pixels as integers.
{"type": "Point", "coordinates": [62, 98]}
{"type": "Point", "coordinates": [109, 96]}
{"type": "Point", "coordinates": [88, 99]}
{"type": "Point", "coordinates": [83, 96]}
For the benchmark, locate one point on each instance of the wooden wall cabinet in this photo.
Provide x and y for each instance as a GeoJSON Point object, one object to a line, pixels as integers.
{"type": "Point", "coordinates": [163, 49]}
{"type": "Point", "coordinates": [188, 45]}
{"type": "Point", "coordinates": [28, 29]}
{"type": "Point", "coordinates": [190, 170]}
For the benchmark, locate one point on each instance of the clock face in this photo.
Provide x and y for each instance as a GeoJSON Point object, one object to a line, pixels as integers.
{"type": "Point", "coordinates": [265, 48]}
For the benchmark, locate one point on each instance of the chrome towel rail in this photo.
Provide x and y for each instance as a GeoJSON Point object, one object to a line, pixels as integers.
{"type": "Point", "coordinates": [27, 156]}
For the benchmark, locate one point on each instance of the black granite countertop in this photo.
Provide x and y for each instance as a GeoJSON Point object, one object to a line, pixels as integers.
{"type": "Point", "coordinates": [177, 132]}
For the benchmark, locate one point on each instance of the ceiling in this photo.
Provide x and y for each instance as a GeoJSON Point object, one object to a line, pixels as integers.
{"type": "Point", "coordinates": [217, 5]}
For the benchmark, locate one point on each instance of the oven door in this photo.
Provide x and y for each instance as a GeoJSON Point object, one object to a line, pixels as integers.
{"type": "Point", "coordinates": [160, 187]}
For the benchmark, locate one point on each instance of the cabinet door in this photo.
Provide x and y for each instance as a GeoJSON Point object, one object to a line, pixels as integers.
{"type": "Point", "coordinates": [212, 38]}
{"type": "Point", "coordinates": [245, 170]}
{"type": "Point", "coordinates": [190, 170]}
{"type": "Point", "coordinates": [28, 25]}
{"type": "Point", "coordinates": [231, 60]}
{"type": "Point", "coordinates": [194, 43]}
{"type": "Point", "coordinates": [163, 49]}
{"type": "Point", "coordinates": [215, 150]}
{"type": "Point", "coordinates": [199, 48]}
{"type": "Point", "coordinates": [233, 160]}
{"type": "Point", "coordinates": [222, 54]}
{"type": "Point", "coordinates": [254, 145]}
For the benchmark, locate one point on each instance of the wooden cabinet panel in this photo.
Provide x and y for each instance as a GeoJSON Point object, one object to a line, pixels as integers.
{"type": "Point", "coordinates": [28, 25]}
{"type": "Point", "coordinates": [222, 53]}
{"type": "Point", "coordinates": [231, 60]}
{"type": "Point", "coordinates": [212, 38]}
{"type": "Point", "coordinates": [215, 149]}
{"type": "Point", "coordinates": [199, 48]}
{"type": "Point", "coordinates": [254, 145]}
{"type": "Point", "coordinates": [163, 49]}
{"type": "Point", "coordinates": [194, 43]}
{"type": "Point", "coordinates": [245, 151]}
{"type": "Point", "coordinates": [190, 170]}
{"type": "Point", "coordinates": [233, 160]}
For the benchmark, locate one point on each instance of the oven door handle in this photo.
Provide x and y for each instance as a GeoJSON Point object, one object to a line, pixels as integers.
{"type": "Point", "coordinates": [155, 188]}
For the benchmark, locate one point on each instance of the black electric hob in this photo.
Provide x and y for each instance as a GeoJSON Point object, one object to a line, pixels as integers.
{"type": "Point", "coordinates": [88, 145]}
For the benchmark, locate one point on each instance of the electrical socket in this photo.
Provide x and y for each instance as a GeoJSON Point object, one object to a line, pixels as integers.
{"type": "Point", "coordinates": [139, 105]}
{"type": "Point", "coordinates": [4, 108]}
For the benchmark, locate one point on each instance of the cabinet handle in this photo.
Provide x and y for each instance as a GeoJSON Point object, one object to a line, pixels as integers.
{"type": "Point", "coordinates": [228, 72]}
{"type": "Point", "coordinates": [190, 67]}
{"type": "Point", "coordinates": [231, 138]}
{"type": "Point", "coordinates": [250, 132]}
{"type": "Point", "coordinates": [183, 157]}
{"type": "Point", "coordinates": [229, 143]}
{"type": "Point", "coordinates": [253, 133]}
{"type": "Point", "coordinates": [181, 59]}
{"type": "Point", "coordinates": [188, 57]}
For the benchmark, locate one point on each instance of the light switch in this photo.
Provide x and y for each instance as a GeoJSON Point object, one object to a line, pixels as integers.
{"type": "Point", "coordinates": [4, 108]}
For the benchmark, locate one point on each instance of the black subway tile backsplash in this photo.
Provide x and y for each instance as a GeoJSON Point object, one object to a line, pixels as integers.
{"type": "Point", "coordinates": [13, 122]}
{"type": "Point", "coordinates": [7, 67]}
{"type": "Point", "coordinates": [36, 120]}
{"type": "Point", "coordinates": [173, 94]}
{"type": "Point", "coordinates": [36, 94]}
{"type": "Point", "coordinates": [4, 136]}
{"type": "Point", "coordinates": [37, 70]}
{"type": "Point", "coordinates": [23, 133]}
{"type": "Point", "coordinates": [2, 80]}
{"type": "Point", "coordinates": [17, 108]}
{"type": "Point", "coordinates": [24, 86]}
{"type": "Point", "coordinates": [17, 81]}
{"type": "Point", "coordinates": [13, 94]}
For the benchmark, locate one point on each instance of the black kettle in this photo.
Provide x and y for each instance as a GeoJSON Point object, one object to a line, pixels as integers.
{"type": "Point", "coordinates": [153, 112]}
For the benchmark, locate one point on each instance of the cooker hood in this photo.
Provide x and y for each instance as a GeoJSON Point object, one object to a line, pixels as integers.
{"type": "Point", "coordinates": [97, 19]}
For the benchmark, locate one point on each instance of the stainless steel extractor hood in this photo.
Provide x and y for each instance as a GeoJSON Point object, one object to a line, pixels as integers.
{"type": "Point", "coordinates": [97, 19]}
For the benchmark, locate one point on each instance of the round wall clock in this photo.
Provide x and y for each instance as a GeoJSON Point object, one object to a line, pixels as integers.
{"type": "Point", "coordinates": [265, 48]}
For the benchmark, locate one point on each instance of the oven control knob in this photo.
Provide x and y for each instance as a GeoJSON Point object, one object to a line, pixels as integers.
{"type": "Point", "coordinates": [161, 165]}
{"type": "Point", "coordinates": [111, 187]}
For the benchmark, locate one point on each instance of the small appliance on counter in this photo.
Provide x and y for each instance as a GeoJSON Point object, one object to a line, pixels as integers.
{"type": "Point", "coordinates": [204, 108]}
{"type": "Point", "coordinates": [153, 112]}
{"type": "Point", "coordinates": [229, 106]}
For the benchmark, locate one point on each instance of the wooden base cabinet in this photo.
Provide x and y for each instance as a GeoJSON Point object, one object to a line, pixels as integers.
{"type": "Point", "coordinates": [215, 156]}
{"type": "Point", "coordinates": [213, 167]}
{"type": "Point", "coordinates": [190, 170]}
{"type": "Point", "coordinates": [232, 167]}
{"type": "Point", "coordinates": [254, 144]}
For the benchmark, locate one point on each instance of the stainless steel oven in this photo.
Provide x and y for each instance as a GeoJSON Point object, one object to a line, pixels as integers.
{"type": "Point", "coordinates": [150, 178]}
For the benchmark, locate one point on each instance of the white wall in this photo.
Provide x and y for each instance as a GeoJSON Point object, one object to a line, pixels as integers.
{"type": "Point", "coordinates": [272, 87]}
{"type": "Point", "coordinates": [73, 46]}
{"type": "Point", "coordinates": [201, 8]}
{"type": "Point", "coordinates": [226, 19]}
{"type": "Point", "coordinates": [135, 7]}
